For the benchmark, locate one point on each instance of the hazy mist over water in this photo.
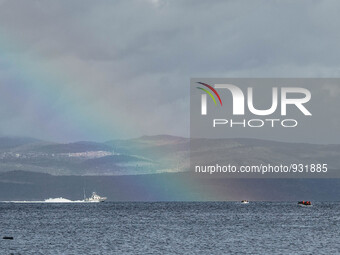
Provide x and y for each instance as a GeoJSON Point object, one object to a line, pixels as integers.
{"type": "Point", "coordinates": [170, 228]}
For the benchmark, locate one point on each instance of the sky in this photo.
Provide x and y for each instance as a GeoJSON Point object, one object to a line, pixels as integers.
{"type": "Point", "coordinates": [101, 70]}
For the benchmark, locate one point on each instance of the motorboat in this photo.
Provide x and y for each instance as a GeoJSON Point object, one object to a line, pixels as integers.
{"type": "Point", "coordinates": [95, 198]}
{"type": "Point", "coordinates": [305, 203]}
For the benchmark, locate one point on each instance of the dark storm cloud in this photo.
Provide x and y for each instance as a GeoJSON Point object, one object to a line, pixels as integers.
{"type": "Point", "coordinates": [143, 53]}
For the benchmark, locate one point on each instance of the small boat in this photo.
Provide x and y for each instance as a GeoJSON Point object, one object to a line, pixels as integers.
{"type": "Point", "coordinates": [95, 198]}
{"type": "Point", "coordinates": [245, 202]}
{"type": "Point", "coordinates": [305, 203]}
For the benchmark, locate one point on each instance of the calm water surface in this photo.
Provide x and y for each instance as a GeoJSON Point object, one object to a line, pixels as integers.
{"type": "Point", "coordinates": [170, 228]}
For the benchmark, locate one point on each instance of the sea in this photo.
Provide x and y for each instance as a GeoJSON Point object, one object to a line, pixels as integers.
{"type": "Point", "coordinates": [170, 228]}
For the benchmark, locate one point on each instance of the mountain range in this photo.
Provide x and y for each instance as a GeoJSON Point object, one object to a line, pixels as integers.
{"type": "Point", "coordinates": [154, 154]}
{"type": "Point", "coordinates": [156, 168]}
{"type": "Point", "coordinates": [118, 157]}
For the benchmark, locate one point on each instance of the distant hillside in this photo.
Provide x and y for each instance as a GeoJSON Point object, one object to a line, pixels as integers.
{"type": "Point", "coordinates": [8, 143]}
{"type": "Point", "coordinates": [73, 147]}
{"type": "Point", "coordinates": [170, 152]}
{"type": "Point", "coordinates": [154, 154]}
{"type": "Point", "coordinates": [253, 152]}
{"type": "Point", "coordinates": [122, 157]}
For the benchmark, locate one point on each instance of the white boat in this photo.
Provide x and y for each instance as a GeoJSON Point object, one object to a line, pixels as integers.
{"type": "Point", "coordinates": [245, 202]}
{"type": "Point", "coordinates": [95, 198]}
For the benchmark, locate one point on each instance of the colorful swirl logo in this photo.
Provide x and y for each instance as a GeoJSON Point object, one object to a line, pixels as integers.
{"type": "Point", "coordinates": [209, 93]}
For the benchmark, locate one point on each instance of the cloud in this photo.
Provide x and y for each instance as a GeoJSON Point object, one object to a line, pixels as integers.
{"type": "Point", "coordinates": [137, 57]}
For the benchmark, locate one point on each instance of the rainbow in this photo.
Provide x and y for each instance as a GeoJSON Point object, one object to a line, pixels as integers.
{"type": "Point", "coordinates": [61, 92]}
{"type": "Point", "coordinates": [52, 92]}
